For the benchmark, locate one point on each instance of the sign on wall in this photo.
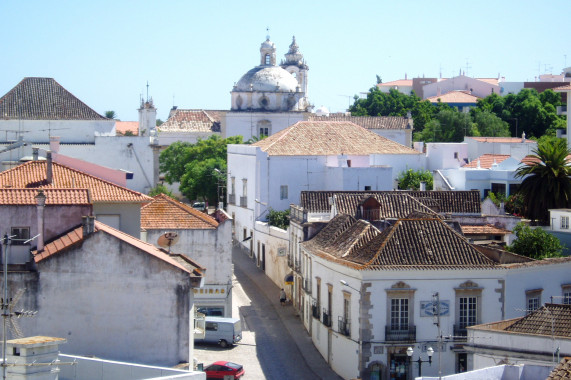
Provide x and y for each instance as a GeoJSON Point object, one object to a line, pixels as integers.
{"type": "Point", "coordinates": [429, 308]}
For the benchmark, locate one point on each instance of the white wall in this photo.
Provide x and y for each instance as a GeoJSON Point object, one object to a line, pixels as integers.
{"type": "Point", "coordinates": [441, 155]}
{"type": "Point", "coordinates": [460, 83]}
{"type": "Point", "coordinates": [72, 131]}
{"type": "Point", "coordinates": [245, 123]}
{"type": "Point", "coordinates": [275, 241]}
{"type": "Point", "coordinates": [517, 150]}
{"type": "Point", "coordinates": [555, 219]}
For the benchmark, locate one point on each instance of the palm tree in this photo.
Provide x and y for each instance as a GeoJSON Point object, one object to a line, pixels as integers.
{"type": "Point", "coordinates": [546, 180]}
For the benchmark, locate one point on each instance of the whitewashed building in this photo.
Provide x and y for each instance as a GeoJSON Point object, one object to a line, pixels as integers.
{"type": "Point", "coordinates": [203, 238]}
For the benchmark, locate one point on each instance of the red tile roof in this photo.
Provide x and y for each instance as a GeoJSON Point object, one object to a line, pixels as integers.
{"type": "Point", "coordinates": [121, 127]}
{"type": "Point", "coordinates": [454, 97]}
{"type": "Point", "coordinates": [192, 121]}
{"type": "Point", "coordinates": [398, 82]}
{"type": "Point", "coordinates": [75, 237]}
{"type": "Point", "coordinates": [562, 371]}
{"type": "Point", "coordinates": [486, 229]}
{"type": "Point", "coordinates": [327, 138]}
{"type": "Point", "coordinates": [504, 140]}
{"type": "Point", "coordinates": [163, 212]}
{"type": "Point", "coordinates": [563, 88]}
{"type": "Point", "coordinates": [486, 161]}
{"type": "Point", "coordinates": [369, 122]}
{"type": "Point", "coordinates": [32, 174]}
{"type": "Point", "coordinates": [53, 196]}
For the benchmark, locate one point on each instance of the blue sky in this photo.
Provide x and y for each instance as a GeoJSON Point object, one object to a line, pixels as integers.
{"type": "Point", "coordinates": [192, 52]}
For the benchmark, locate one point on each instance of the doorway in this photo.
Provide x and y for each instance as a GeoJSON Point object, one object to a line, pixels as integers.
{"type": "Point", "coordinates": [399, 367]}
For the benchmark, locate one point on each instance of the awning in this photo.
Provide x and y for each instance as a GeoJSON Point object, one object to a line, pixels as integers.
{"type": "Point", "coordinates": [289, 279]}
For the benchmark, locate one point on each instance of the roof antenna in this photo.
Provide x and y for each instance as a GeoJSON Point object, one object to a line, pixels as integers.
{"type": "Point", "coordinates": [147, 91]}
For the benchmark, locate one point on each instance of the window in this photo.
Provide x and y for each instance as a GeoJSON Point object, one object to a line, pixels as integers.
{"type": "Point", "coordinates": [19, 235]}
{"type": "Point", "coordinates": [566, 294]}
{"type": "Point", "coordinates": [233, 185]}
{"type": "Point", "coordinates": [399, 314]}
{"type": "Point", "coordinates": [499, 188]}
{"type": "Point", "coordinates": [533, 299]}
{"type": "Point", "coordinates": [264, 131]}
{"type": "Point", "coordinates": [468, 311]}
{"type": "Point", "coordinates": [244, 187]}
{"type": "Point", "coordinates": [268, 59]}
{"type": "Point", "coordinates": [564, 222]}
{"type": "Point", "coordinates": [211, 326]}
{"type": "Point", "coordinates": [318, 295]}
{"type": "Point", "coordinates": [456, 155]}
{"type": "Point", "coordinates": [367, 188]}
{"type": "Point", "coordinates": [283, 192]}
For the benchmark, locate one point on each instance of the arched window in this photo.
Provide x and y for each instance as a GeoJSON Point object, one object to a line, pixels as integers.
{"type": "Point", "coordinates": [268, 59]}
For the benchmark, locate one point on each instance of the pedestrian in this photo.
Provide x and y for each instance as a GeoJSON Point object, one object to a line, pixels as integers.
{"type": "Point", "coordinates": [282, 297]}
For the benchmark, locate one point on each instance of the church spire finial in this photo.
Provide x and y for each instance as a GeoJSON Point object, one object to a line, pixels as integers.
{"type": "Point", "coordinates": [267, 33]}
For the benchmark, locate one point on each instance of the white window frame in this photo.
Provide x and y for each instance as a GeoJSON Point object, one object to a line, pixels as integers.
{"type": "Point", "coordinates": [564, 222]}
{"type": "Point", "coordinates": [533, 300]}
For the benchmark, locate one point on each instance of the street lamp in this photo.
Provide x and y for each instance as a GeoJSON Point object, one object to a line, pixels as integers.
{"type": "Point", "coordinates": [429, 352]}
{"type": "Point", "coordinates": [344, 283]}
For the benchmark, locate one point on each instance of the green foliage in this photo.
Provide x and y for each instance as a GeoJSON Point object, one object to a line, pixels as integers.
{"type": "Point", "coordinates": [379, 80]}
{"type": "Point", "coordinates": [160, 189]}
{"type": "Point", "coordinates": [489, 125]}
{"type": "Point", "coordinates": [110, 114]}
{"type": "Point", "coordinates": [278, 219]}
{"type": "Point", "coordinates": [546, 183]}
{"type": "Point", "coordinates": [159, 122]}
{"type": "Point", "coordinates": [497, 198]}
{"type": "Point", "coordinates": [514, 204]}
{"type": "Point", "coordinates": [449, 125]}
{"type": "Point", "coordinates": [193, 165]}
{"type": "Point", "coordinates": [129, 133]}
{"type": "Point", "coordinates": [535, 243]}
{"type": "Point", "coordinates": [410, 179]}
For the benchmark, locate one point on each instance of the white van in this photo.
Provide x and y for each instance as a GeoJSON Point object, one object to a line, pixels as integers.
{"type": "Point", "coordinates": [223, 331]}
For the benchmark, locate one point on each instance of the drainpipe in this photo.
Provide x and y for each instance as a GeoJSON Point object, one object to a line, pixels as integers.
{"type": "Point", "coordinates": [41, 203]}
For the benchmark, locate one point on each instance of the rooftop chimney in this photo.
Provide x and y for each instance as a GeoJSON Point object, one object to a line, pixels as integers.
{"type": "Point", "coordinates": [54, 144]}
{"type": "Point", "coordinates": [49, 169]}
{"type": "Point", "coordinates": [41, 202]}
{"type": "Point", "coordinates": [422, 186]}
{"type": "Point", "coordinates": [35, 153]}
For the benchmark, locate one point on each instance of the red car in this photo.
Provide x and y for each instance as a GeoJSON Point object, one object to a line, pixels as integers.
{"type": "Point", "coordinates": [218, 370]}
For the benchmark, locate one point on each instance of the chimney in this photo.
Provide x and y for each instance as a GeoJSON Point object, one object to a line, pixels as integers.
{"type": "Point", "coordinates": [88, 225]}
{"type": "Point", "coordinates": [54, 144]}
{"type": "Point", "coordinates": [41, 202]}
{"type": "Point", "coordinates": [49, 169]}
{"type": "Point", "coordinates": [422, 186]}
{"type": "Point", "coordinates": [35, 153]}
{"type": "Point", "coordinates": [523, 137]}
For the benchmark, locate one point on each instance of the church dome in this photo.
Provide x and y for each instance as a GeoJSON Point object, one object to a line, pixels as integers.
{"type": "Point", "coordinates": [267, 79]}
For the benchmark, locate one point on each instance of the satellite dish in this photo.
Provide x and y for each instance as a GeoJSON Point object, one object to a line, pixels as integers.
{"type": "Point", "coordinates": [168, 239]}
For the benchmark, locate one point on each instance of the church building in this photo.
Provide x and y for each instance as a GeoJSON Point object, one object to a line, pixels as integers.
{"type": "Point", "coordinates": [269, 97]}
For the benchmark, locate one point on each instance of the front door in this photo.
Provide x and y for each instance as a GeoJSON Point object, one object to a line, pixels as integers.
{"type": "Point", "coordinates": [399, 367]}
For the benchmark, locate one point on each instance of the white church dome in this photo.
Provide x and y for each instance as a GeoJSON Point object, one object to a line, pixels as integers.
{"type": "Point", "coordinates": [267, 79]}
{"type": "Point", "coordinates": [322, 111]}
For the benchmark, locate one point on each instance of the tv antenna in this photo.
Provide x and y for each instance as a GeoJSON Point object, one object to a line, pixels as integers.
{"type": "Point", "coordinates": [167, 240]}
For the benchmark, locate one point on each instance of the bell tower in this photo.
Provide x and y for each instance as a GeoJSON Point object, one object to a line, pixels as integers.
{"type": "Point", "coordinates": [268, 53]}
{"type": "Point", "coordinates": [295, 65]}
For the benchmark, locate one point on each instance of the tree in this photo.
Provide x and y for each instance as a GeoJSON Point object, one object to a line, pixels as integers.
{"type": "Point", "coordinates": [546, 183]}
{"type": "Point", "coordinates": [159, 122]}
{"type": "Point", "coordinates": [160, 189]}
{"type": "Point", "coordinates": [410, 179]}
{"type": "Point", "coordinates": [449, 125]}
{"type": "Point", "coordinates": [193, 165]}
{"type": "Point", "coordinates": [488, 124]}
{"type": "Point", "coordinates": [278, 219]}
{"type": "Point", "coordinates": [535, 243]}
{"type": "Point", "coordinates": [110, 114]}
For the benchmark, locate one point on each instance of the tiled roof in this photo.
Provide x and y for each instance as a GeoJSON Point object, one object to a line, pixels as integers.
{"type": "Point", "coordinates": [454, 97]}
{"type": "Point", "coordinates": [486, 229]}
{"type": "Point", "coordinates": [398, 82]}
{"type": "Point", "coordinates": [408, 244]}
{"type": "Point", "coordinates": [456, 202]}
{"type": "Point", "coordinates": [486, 161]}
{"type": "Point", "coordinates": [563, 88]}
{"type": "Point", "coordinates": [44, 99]}
{"type": "Point", "coordinates": [163, 212]}
{"type": "Point", "coordinates": [562, 371]}
{"type": "Point", "coordinates": [369, 122]}
{"type": "Point", "coordinates": [75, 237]}
{"type": "Point", "coordinates": [32, 174]}
{"type": "Point", "coordinates": [549, 320]}
{"type": "Point", "coordinates": [192, 121]}
{"type": "Point", "coordinates": [504, 140]}
{"type": "Point", "coordinates": [122, 127]}
{"type": "Point", "coordinates": [326, 138]}
{"type": "Point", "coordinates": [493, 81]}
{"type": "Point", "coordinates": [392, 205]}
{"type": "Point", "coordinates": [53, 196]}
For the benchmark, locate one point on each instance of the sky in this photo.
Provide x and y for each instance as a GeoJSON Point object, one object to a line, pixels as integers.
{"type": "Point", "coordinates": [192, 52]}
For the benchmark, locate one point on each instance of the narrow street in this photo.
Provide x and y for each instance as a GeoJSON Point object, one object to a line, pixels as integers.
{"type": "Point", "coordinates": [275, 344]}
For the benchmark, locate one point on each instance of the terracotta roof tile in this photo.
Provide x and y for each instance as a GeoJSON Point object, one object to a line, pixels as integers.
{"type": "Point", "coordinates": [457, 202]}
{"type": "Point", "coordinates": [192, 121]}
{"type": "Point", "coordinates": [550, 319]}
{"type": "Point", "coordinates": [393, 205]}
{"type": "Point", "coordinates": [122, 127]}
{"type": "Point", "coordinates": [398, 82]}
{"type": "Point", "coordinates": [326, 138]}
{"type": "Point", "coordinates": [562, 371]}
{"type": "Point", "coordinates": [504, 140]}
{"type": "Point", "coordinates": [408, 244]}
{"type": "Point", "coordinates": [486, 229]}
{"type": "Point", "coordinates": [53, 196]}
{"type": "Point", "coordinates": [369, 122]}
{"type": "Point", "coordinates": [32, 174]}
{"type": "Point", "coordinates": [454, 97]}
{"type": "Point", "coordinates": [44, 99]}
{"type": "Point", "coordinates": [75, 237]}
{"type": "Point", "coordinates": [563, 88]}
{"type": "Point", "coordinates": [486, 161]}
{"type": "Point", "coordinates": [163, 212]}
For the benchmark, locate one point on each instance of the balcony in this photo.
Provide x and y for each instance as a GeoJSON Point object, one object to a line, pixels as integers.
{"type": "Point", "coordinates": [243, 201]}
{"type": "Point", "coordinates": [460, 333]}
{"type": "Point", "coordinates": [232, 199]}
{"type": "Point", "coordinates": [400, 335]}
{"type": "Point", "coordinates": [344, 326]}
{"type": "Point", "coordinates": [326, 318]}
{"type": "Point", "coordinates": [315, 311]}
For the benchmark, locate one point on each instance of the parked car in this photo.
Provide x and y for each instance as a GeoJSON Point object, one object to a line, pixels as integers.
{"type": "Point", "coordinates": [220, 369]}
{"type": "Point", "coordinates": [200, 206]}
{"type": "Point", "coordinates": [224, 331]}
